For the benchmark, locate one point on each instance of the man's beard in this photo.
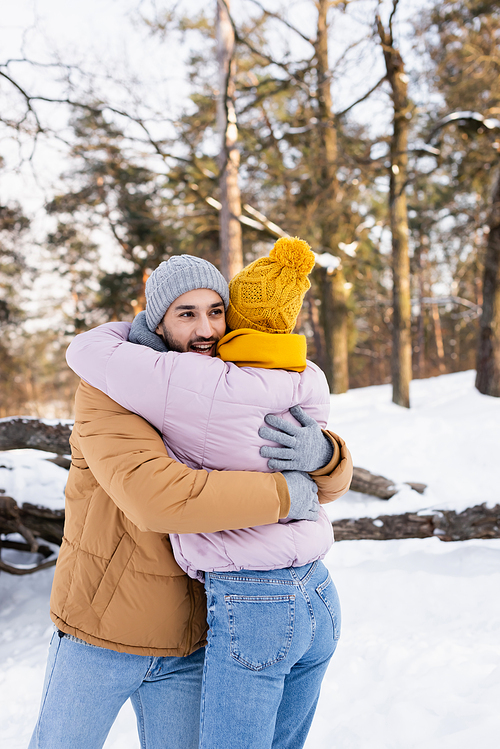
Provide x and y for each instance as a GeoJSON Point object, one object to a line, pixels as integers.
{"type": "Point", "coordinates": [174, 345]}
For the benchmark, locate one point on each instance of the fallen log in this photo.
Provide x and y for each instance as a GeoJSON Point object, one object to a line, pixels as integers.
{"type": "Point", "coordinates": [378, 486]}
{"type": "Point", "coordinates": [31, 522]}
{"type": "Point", "coordinates": [12, 569]}
{"type": "Point", "coordinates": [474, 522]}
{"type": "Point", "coordinates": [23, 432]}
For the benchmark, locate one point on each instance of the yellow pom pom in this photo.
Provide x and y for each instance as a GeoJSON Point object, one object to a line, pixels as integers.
{"type": "Point", "coordinates": [295, 253]}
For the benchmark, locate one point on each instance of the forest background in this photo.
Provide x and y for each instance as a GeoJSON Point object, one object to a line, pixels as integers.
{"type": "Point", "coordinates": [370, 129]}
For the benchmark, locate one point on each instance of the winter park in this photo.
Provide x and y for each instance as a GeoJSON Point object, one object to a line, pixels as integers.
{"type": "Point", "coordinates": [250, 374]}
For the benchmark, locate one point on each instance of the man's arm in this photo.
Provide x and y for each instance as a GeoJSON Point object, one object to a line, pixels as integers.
{"type": "Point", "coordinates": [128, 459]}
{"type": "Point", "coordinates": [334, 479]}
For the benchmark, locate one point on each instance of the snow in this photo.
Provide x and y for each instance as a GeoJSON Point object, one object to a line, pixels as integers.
{"type": "Point", "coordinates": [418, 663]}
{"type": "Point", "coordinates": [28, 476]}
{"type": "Point", "coordinates": [449, 439]}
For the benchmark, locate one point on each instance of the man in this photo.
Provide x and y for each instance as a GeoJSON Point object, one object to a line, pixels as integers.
{"type": "Point", "coordinates": [130, 623]}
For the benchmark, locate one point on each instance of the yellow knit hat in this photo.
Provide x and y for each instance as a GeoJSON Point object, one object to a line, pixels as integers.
{"type": "Point", "coordinates": [267, 295]}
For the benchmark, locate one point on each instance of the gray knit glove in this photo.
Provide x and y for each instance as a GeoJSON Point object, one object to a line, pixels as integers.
{"type": "Point", "coordinates": [304, 504]}
{"type": "Point", "coordinates": [140, 333]}
{"type": "Point", "coordinates": [305, 448]}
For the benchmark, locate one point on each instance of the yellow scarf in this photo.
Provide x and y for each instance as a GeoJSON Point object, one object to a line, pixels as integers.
{"type": "Point", "coordinates": [252, 348]}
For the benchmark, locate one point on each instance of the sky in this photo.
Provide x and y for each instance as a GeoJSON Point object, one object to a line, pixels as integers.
{"type": "Point", "coordinates": [106, 40]}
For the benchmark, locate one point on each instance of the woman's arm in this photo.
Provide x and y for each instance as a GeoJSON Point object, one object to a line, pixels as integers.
{"type": "Point", "coordinates": [134, 376]}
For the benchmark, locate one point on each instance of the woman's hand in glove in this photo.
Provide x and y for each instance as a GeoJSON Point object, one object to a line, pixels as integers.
{"type": "Point", "coordinates": [304, 448]}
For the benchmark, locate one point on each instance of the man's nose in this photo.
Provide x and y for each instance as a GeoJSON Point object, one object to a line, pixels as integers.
{"type": "Point", "coordinates": [204, 328]}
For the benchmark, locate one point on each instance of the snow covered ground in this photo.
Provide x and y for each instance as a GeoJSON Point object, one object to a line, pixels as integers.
{"type": "Point", "coordinates": [418, 663]}
{"type": "Point", "coordinates": [449, 439]}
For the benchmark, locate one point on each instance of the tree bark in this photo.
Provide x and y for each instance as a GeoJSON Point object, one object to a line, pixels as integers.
{"type": "Point", "coordinates": [31, 523]}
{"type": "Point", "coordinates": [19, 433]}
{"type": "Point", "coordinates": [334, 322]}
{"type": "Point", "coordinates": [447, 525]}
{"type": "Point", "coordinates": [318, 331]}
{"type": "Point", "coordinates": [333, 289]}
{"type": "Point", "coordinates": [420, 259]}
{"type": "Point", "coordinates": [230, 237]}
{"type": "Point", "coordinates": [438, 334]}
{"type": "Point", "coordinates": [378, 486]}
{"type": "Point", "coordinates": [401, 336]}
{"type": "Point", "coordinates": [488, 356]}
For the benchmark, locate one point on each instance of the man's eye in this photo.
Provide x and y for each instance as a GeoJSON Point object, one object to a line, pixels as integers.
{"type": "Point", "coordinates": [217, 312]}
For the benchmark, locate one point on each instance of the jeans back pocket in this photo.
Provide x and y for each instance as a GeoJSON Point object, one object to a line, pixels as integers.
{"type": "Point", "coordinates": [261, 629]}
{"type": "Point", "coordinates": [328, 594]}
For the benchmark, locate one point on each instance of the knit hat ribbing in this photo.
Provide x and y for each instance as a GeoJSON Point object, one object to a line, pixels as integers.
{"type": "Point", "coordinates": [267, 295]}
{"type": "Point", "coordinates": [176, 276]}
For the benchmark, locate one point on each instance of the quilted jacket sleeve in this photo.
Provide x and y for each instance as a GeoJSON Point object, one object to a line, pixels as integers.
{"type": "Point", "coordinates": [134, 376]}
{"type": "Point", "coordinates": [335, 478]}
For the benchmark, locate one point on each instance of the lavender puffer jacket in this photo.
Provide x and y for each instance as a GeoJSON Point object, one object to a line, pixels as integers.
{"type": "Point", "coordinates": [209, 413]}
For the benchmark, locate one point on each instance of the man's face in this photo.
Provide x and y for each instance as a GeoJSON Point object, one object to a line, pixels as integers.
{"type": "Point", "coordinates": [194, 322]}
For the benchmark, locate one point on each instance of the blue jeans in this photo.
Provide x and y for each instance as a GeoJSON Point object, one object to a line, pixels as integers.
{"type": "Point", "coordinates": [85, 687]}
{"type": "Point", "coordinates": [271, 637]}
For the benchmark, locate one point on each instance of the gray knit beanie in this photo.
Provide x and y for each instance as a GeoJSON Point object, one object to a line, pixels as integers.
{"type": "Point", "coordinates": [174, 277]}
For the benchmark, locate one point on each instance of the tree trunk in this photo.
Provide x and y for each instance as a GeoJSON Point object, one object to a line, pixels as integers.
{"type": "Point", "coordinates": [378, 486]}
{"type": "Point", "coordinates": [420, 348]}
{"type": "Point", "coordinates": [318, 331]}
{"type": "Point", "coordinates": [488, 356]}
{"type": "Point", "coordinates": [334, 321]}
{"type": "Point", "coordinates": [18, 433]}
{"type": "Point", "coordinates": [401, 336]}
{"type": "Point", "coordinates": [333, 296]}
{"type": "Point", "coordinates": [438, 334]}
{"type": "Point", "coordinates": [230, 243]}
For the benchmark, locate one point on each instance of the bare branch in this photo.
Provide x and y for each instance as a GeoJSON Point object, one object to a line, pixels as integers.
{"type": "Point", "coordinates": [365, 96]}
{"type": "Point", "coordinates": [283, 20]}
{"type": "Point", "coordinates": [26, 97]}
{"type": "Point", "coordinates": [241, 40]}
{"type": "Point", "coordinates": [391, 17]}
{"type": "Point", "coordinates": [264, 95]}
{"type": "Point", "coordinates": [37, 64]}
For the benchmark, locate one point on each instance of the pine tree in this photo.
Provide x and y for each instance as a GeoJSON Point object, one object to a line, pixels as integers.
{"type": "Point", "coordinates": [116, 192]}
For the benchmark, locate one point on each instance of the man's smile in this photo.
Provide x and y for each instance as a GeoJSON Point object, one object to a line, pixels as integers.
{"type": "Point", "coordinates": [203, 347]}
